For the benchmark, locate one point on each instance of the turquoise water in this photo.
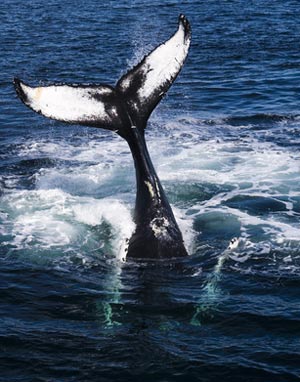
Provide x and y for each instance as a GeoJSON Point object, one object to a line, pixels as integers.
{"type": "Point", "coordinates": [226, 145]}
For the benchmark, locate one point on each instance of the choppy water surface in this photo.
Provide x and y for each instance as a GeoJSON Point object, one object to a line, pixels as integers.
{"type": "Point", "coordinates": [225, 143]}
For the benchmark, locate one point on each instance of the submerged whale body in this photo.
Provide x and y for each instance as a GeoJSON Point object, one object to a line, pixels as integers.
{"type": "Point", "coordinates": [125, 109]}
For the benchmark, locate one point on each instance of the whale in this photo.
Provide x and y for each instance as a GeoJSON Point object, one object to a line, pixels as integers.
{"type": "Point", "coordinates": [125, 109]}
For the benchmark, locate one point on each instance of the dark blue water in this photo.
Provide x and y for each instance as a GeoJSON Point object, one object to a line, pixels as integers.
{"type": "Point", "coordinates": [226, 145]}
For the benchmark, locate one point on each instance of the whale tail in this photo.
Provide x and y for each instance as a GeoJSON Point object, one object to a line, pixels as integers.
{"type": "Point", "coordinates": [125, 109]}
{"type": "Point", "coordinates": [129, 103]}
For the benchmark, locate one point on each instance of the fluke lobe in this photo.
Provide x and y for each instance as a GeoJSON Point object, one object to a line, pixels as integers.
{"type": "Point", "coordinates": [125, 109]}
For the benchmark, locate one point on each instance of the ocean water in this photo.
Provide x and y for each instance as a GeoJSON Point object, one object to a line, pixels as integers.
{"type": "Point", "coordinates": [226, 145]}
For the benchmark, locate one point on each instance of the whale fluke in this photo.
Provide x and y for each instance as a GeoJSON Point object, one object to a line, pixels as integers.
{"type": "Point", "coordinates": [135, 95]}
{"type": "Point", "coordinates": [89, 105]}
{"type": "Point", "coordinates": [125, 109]}
{"type": "Point", "coordinates": [146, 84]}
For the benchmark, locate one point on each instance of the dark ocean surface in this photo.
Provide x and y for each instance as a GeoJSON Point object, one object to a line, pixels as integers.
{"type": "Point", "coordinates": [226, 145]}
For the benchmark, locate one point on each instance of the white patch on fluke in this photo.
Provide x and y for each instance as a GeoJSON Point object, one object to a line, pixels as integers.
{"type": "Point", "coordinates": [165, 62]}
{"type": "Point", "coordinates": [157, 71]}
{"type": "Point", "coordinates": [68, 103]}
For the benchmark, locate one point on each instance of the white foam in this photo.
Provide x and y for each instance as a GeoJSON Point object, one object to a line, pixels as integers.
{"type": "Point", "coordinates": [185, 224]}
{"type": "Point", "coordinates": [34, 219]}
{"type": "Point", "coordinates": [37, 230]}
{"type": "Point", "coordinates": [75, 180]}
{"type": "Point", "coordinates": [45, 219]}
{"type": "Point", "coordinates": [224, 162]}
{"type": "Point", "coordinates": [114, 212]}
{"type": "Point", "coordinates": [91, 149]}
{"type": "Point", "coordinates": [71, 199]}
{"type": "Point", "coordinates": [247, 167]}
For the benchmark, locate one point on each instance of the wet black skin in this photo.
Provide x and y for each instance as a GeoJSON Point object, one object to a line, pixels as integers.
{"type": "Point", "coordinates": [152, 209]}
{"type": "Point", "coordinates": [157, 235]}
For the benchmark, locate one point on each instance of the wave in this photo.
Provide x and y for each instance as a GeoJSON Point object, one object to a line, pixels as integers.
{"type": "Point", "coordinates": [258, 119]}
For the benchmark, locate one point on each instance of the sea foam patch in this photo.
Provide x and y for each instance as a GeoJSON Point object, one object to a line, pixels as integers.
{"type": "Point", "coordinates": [249, 184]}
{"type": "Point", "coordinates": [246, 183]}
{"type": "Point", "coordinates": [113, 212]}
{"type": "Point", "coordinates": [53, 219]}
